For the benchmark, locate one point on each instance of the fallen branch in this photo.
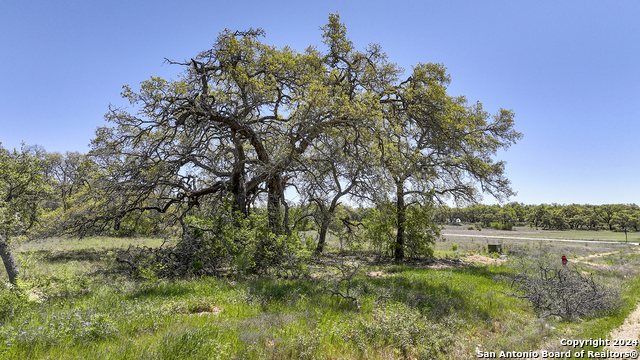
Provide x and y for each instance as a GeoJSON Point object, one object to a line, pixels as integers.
{"type": "Point", "coordinates": [346, 277]}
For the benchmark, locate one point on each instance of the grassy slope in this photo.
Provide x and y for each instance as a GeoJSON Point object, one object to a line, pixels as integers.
{"type": "Point", "coordinates": [413, 312]}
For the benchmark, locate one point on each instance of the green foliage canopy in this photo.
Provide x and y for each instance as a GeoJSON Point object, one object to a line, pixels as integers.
{"type": "Point", "coordinates": [22, 186]}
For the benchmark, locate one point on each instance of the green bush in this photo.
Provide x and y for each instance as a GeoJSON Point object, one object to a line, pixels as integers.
{"type": "Point", "coordinates": [10, 304]}
{"type": "Point", "coordinates": [421, 233]}
{"type": "Point", "coordinates": [379, 223]}
{"type": "Point", "coordinates": [404, 329]}
{"type": "Point", "coordinates": [221, 239]}
{"type": "Point", "coordinates": [501, 226]}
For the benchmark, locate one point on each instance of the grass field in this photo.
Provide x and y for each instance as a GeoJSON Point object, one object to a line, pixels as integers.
{"type": "Point", "coordinates": [75, 305]}
{"type": "Point", "coordinates": [525, 231]}
{"type": "Point", "coordinates": [476, 241]}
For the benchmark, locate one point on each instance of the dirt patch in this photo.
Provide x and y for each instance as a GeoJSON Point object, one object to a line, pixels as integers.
{"type": "Point", "coordinates": [630, 330]}
{"type": "Point", "coordinates": [436, 263]}
{"type": "Point", "coordinates": [581, 258]}
{"type": "Point", "coordinates": [593, 264]}
{"type": "Point", "coordinates": [483, 259]}
{"type": "Point", "coordinates": [214, 311]}
{"type": "Point", "coordinates": [375, 274]}
{"type": "Point", "coordinates": [440, 266]}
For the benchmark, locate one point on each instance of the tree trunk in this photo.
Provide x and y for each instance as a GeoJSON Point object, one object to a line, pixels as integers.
{"type": "Point", "coordinates": [273, 204]}
{"type": "Point", "coordinates": [401, 217]}
{"type": "Point", "coordinates": [285, 221]}
{"type": "Point", "coordinates": [327, 217]}
{"type": "Point", "coordinates": [9, 261]}
{"type": "Point", "coordinates": [239, 182]}
{"type": "Point", "coordinates": [322, 236]}
{"type": "Point", "coordinates": [239, 190]}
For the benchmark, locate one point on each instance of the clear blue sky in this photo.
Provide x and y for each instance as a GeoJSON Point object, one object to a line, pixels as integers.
{"type": "Point", "coordinates": [570, 70]}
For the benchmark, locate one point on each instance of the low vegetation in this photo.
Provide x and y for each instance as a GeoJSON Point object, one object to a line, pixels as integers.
{"type": "Point", "coordinates": [75, 300]}
{"type": "Point", "coordinates": [561, 291]}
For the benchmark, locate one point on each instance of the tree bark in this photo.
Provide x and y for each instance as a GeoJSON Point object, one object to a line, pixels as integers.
{"type": "Point", "coordinates": [239, 191]}
{"type": "Point", "coordinates": [324, 226]}
{"type": "Point", "coordinates": [239, 180]}
{"type": "Point", "coordinates": [401, 217]}
{"type": "Point", "coordinates": [273, 204]}
{"type": "Point", "coordinates": [9, 261]}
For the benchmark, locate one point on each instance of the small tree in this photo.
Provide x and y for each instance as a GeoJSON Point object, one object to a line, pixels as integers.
{"type": "Point", "coordinates": [607, 213]}
{"type": "Point", "coordinates": [623, 220]}
{"type": "Point", "coordinates": [433, 146]}
{"type": "Point", "coordinates": [22, 185]}
{"type": "Point", "coordinates": [331, 170]}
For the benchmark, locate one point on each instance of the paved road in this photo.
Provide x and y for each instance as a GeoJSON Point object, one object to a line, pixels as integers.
{"type": "Point", "coordinates": [545, 239]}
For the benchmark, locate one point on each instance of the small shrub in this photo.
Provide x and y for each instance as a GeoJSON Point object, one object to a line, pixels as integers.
{"type": "Point", "coordinates": [421, 233]}
{"type": "Point", "coordinates": [562, 292]}
{"type": "Point", "coordinates": [10, 304]}
{"type": "Point", "coordinates": [403, 329]}
{"type": "Point", "coordinates": [309, 243]}
{"type": "Point", "coordinates": [470, 227]}
{"type": "Point", "coordinates": [189, 257]}
{"type": "Point", "coordinates": [346, 274]}
{"type": "Point", "coordinates": [501, 226]}
{"type": "Point", "coordinates": [454, 247]}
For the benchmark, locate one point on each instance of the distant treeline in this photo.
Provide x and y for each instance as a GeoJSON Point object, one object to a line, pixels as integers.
{"type": "Point", "coordinates": [620, 217]}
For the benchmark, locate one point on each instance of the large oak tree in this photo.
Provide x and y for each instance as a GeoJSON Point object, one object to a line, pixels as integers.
{"type": "Point", "coordinates": [247, 120]}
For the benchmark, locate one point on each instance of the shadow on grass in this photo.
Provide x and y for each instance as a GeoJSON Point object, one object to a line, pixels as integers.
{"type": "Point", "coordinates": [73, 255]}
{"type": "Point", "coordinates": [468, 291]}
{"type": "Point", "coordinates": [165, 290]}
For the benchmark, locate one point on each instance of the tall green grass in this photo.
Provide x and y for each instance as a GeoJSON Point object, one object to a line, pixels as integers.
{"type": "Point", "coordinates": [71, 304]}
